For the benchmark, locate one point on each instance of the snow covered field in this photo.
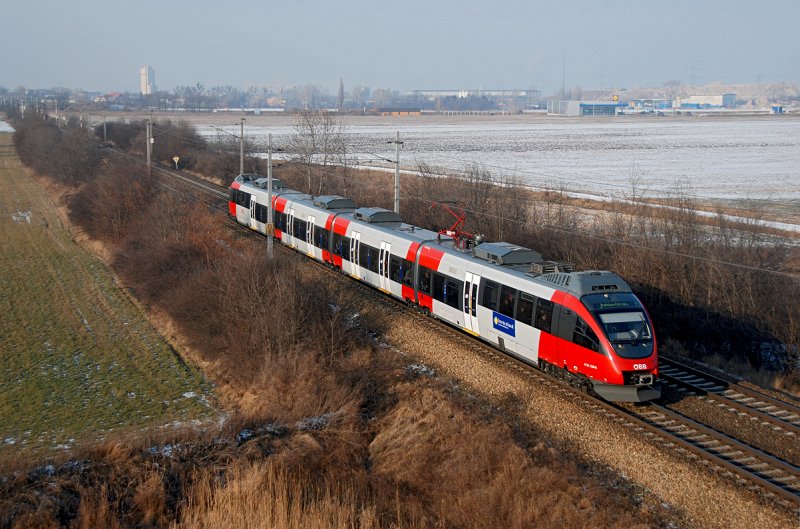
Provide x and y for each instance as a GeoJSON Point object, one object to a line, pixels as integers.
{"type": "Point", "coordinates": [711, 158]}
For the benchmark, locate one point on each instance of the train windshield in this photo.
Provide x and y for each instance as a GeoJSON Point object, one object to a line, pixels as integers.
{"type": "Point", "coordinates": [624, 322]}
{"type": "Point", "coordinates": [626, 326]}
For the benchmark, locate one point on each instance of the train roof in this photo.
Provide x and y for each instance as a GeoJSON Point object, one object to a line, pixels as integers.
{"type": "Point", "coordinates": [503, 257]}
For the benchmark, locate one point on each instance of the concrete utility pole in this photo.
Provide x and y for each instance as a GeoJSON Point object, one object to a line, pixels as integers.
{"type": "Point", "coordinates": [397, 144]}
{"type": "Point", "coordinates": [270, 227]}
{"type": "Point", "coordinates": [149, 147]}
{"type": "Point", "coordinates": [241, 148]}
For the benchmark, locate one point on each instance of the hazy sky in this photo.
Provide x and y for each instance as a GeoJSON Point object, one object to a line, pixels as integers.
{"type": "Point", "coordinates": [403, 45]}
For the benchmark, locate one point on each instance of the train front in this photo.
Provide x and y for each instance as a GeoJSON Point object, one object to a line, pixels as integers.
{"type": "Point", "coordinates": [630, 345]}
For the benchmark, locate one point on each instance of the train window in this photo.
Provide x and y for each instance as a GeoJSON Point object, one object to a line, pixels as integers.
{"type": "Point", "coordinates": [243, 198]}
{"type": "Point", "coordinates": [452, 292]}
{"type": "Point", "coordinates": [489, 295]}
{"type": "Point", "coordinates": [438, 287]}
{"type": "Point", "coordinates": [407, 272]}
{"type": "Point", "coordinates": [368, 257]}
{"type": "Point", "coordinates": [585, 336]}
{"type": "Point", "coordinates": [344, 248]}
{"type": "Point", "coordinates": [374, 260]}
{"type": "Point", "coordinates": [544, 315]}
{"type": "Point", "coordinates": [525, 305]}
{"type": "Point", "coordinates": [507, 295]}
{"type": "Point", "coordinates": [261, 213]}
{"type": "Point", "coordinates": [424, 283]}
{"type": "Point", "coordinates": [280, 220]}
{"type": "Point", "coordinates": [299, 229]}
{"type": "Point", "coordinates": [395, 273]}
{"type": "Point", "coordinates": [322, 238]}
{"type": "Point", "coordinates": [447, 290]}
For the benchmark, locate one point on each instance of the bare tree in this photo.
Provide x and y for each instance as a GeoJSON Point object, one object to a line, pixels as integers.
{"type": "Point", "coordinates": [309, 96]}
{"type": "Point", "coordinates": [359, 94]}
{"type": "Point", "coordinates": [317, 144]}
{"type": "Point", "coordinates": [382, 97]}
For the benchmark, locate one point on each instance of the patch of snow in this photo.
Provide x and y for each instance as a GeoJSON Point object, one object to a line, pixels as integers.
{"type": "Point", "coordinates": [10, 441]}
{"type": "Point", "coordinates": [315, 423]}
{"type": "Point", "coordinates": [167, 450]}
{"type": "Point", "coordinates": [420, 370]}
{"type": "Point", "coordinates": [190, 394]}
{"type": "Point", "coordinates": [276, 429]}
{"type": "Point", "coordinates": [22, 216]}
{"type": "Point", "coordinates": [5, 127]}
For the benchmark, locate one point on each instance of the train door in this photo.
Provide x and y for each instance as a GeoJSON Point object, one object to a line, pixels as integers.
{"type": "Point", "coordinates": [253, 204]}
{"type": "Point", "coordinates": [471, 284]}
{"type": "Point", "coordinates": [355, 248]}
{"type": "Point", "coordinates": [310, 228]}
{"type": "Point", "coordinates": [383, 265]}
{"type": "Point", "coordinates": [564, 329]}
{"type": "Point", "coordinates": [290, 227]}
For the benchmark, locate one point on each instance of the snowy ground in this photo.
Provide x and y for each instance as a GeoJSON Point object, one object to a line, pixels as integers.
{"type": "Point", "coordinates": [5, 127]}
{"type": "Point", "coordinates": [708, 158]}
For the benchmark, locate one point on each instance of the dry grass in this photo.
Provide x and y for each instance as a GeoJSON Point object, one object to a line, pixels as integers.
{"type": "Point", "coordinates": [267, 495]}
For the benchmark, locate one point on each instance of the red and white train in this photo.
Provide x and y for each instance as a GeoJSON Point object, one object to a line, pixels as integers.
{"type": "Point", "coordinates": [588, 327]}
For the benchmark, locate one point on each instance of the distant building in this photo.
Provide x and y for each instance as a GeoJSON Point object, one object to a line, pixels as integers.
{"type": "Point", "coordinates": [398, 112]}
{"type": "Point", "coordinates": [650, 104]}
{"type": "Point", "coordinates": [584, 108]}
{"type": "Point", "coordinates": [518, 98]}
{"type": "Point", "coordinates": [709, 101]}
{"type": "Point", "coordinates": [147, 80]}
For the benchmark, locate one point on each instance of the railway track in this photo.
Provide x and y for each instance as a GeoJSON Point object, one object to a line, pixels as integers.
{"type": "Point", "coordinates": [781, 416]}
{"type": "Point", "coordinates": [676, 432]}
{"type": "Point", "coordinates": [777, 477]}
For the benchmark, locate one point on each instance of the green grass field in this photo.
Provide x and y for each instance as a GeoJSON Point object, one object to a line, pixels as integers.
{"type": "Point", "coordinates": [77, 358]}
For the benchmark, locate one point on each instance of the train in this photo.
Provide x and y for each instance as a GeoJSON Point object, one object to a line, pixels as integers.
{"type": "Point", "coordinates": [587, 327]}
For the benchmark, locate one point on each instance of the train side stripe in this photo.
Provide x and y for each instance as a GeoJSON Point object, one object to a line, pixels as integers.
{"type": "Point", "coordinates": [340, 226]}
{"type": "Point", "coordinates": [430, 257]}
{"type": "Point", "coordinates": [411, 255]}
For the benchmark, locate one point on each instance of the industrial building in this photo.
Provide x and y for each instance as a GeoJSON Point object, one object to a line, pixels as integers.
{"type": "Point", "coordinates": [650, 104]}
{"type": "Point", "coordinates": [584, 108]}
{"type": "Point", "coordinates": [699, 102]}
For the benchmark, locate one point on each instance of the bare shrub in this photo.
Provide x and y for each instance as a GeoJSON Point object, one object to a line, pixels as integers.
{"type": "Point", "coordinates": [107, 207]}
{"type": "Point", "coordinates": [121, 134]}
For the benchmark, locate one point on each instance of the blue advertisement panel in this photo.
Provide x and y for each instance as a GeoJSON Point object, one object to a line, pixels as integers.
{"type": "Point", "coordinates": [504, 323]}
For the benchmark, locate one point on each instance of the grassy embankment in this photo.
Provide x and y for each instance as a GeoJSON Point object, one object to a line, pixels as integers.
{"type": "Point", "coordinates": [78, 358]}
